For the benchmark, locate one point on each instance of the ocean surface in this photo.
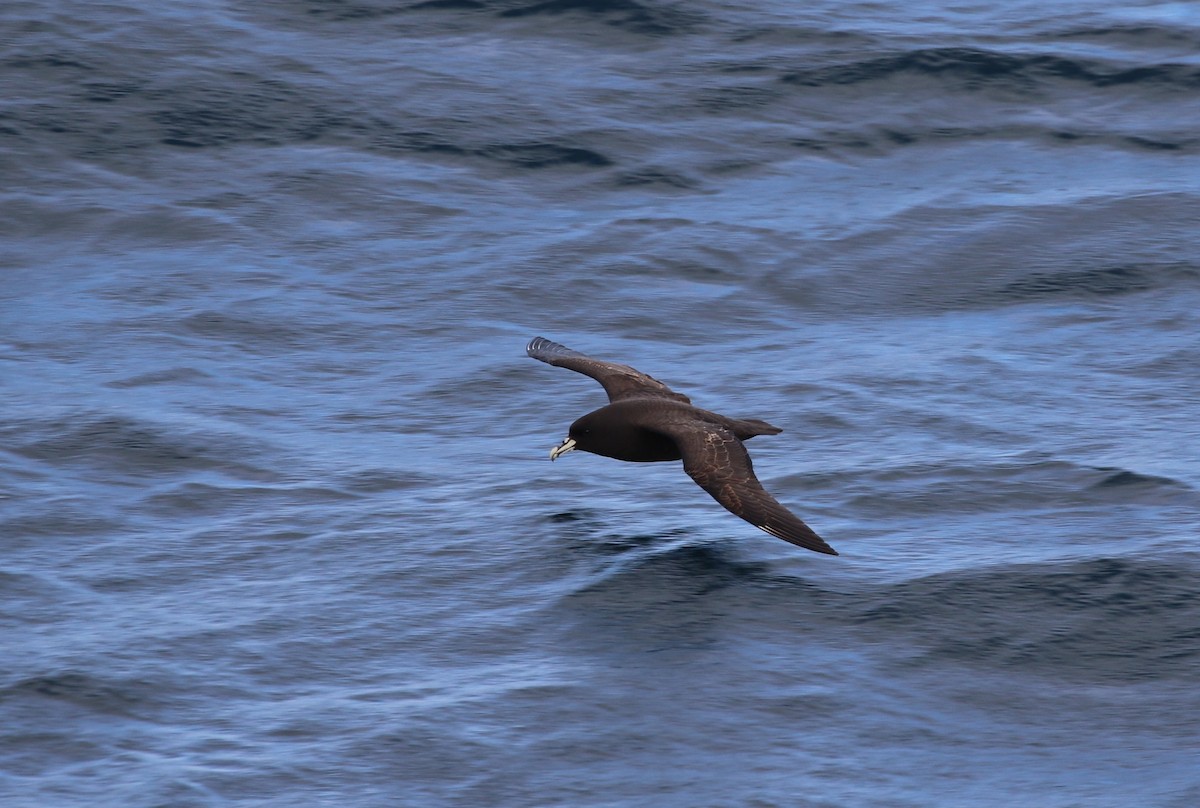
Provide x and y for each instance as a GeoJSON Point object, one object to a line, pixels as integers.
{"type": "Point", "coordinates": [278, 525]}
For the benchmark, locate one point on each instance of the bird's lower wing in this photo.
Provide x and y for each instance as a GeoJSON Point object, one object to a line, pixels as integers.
{"type": "Point", "coordinates": [720, 464]}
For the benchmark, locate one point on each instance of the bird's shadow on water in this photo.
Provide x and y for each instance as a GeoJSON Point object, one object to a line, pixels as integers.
{"type": "Point", "coordinates": [648, 592]}
{"type": "Point", "coordinates": [612, 557]}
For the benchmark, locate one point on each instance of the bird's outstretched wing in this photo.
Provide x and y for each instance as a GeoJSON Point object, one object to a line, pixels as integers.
{"type": "Point", "coordinates": [720, 464]}
{"type": "Point", "coordinates": [619, 381]}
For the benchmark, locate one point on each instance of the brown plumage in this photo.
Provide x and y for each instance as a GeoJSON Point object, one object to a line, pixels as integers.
{"type": "Point", "coordinates": [646, 421]}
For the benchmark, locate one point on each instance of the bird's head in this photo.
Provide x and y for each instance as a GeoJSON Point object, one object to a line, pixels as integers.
{"type": "Point", "coordinates": [578, 437]}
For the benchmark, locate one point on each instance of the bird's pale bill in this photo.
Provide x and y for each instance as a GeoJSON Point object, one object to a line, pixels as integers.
{"type": "Point", "coordinates": [561, 449]}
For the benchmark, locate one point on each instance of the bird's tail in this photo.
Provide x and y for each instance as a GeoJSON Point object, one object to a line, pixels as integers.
{"type": "Point", "coordinates": [749, 427]}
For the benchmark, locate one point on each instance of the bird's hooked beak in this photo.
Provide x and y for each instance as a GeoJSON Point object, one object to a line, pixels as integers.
{"type": "Point", "coordinates": [567, 445]}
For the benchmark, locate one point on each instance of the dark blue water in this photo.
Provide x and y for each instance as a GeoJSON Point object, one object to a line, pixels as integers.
{"type": "Point", "coordinates": [277, 523]}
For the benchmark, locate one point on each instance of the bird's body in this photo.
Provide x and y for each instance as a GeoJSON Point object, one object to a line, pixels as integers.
{"type": "Point", "coordinates": [636, 429]}
{"type": "Point", "coordinates": [647, 422]}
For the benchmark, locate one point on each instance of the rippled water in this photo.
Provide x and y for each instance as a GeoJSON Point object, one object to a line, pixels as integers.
{"type": "Point", "coordinates": [277, 525]}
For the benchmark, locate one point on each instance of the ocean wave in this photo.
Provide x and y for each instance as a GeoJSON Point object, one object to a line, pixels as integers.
{"type": "Point", "coordinates": [875, 140]}
{"type": "Point", "coordinates": [643, 18]}
{"type": "Point", "coordinates": [1102, 281]}
{"type": "Point", "coordinates": [646, 18]}
{"type": "Point", "coordinates": [104, 695]}
{"type": "Point", "coordinates": [122, 445]}
{"type": "Point", "coordinates": [974, 69]}
{"type": "Point", "coordinates": [951, 488]}
{"type": "Point", "coordinates": [1103, 620]}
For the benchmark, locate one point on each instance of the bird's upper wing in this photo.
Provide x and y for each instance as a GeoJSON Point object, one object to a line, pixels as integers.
{"type": "Point", "coordinates": [619, 381]}
{"type": "Point", "coordinates": [720, 464]}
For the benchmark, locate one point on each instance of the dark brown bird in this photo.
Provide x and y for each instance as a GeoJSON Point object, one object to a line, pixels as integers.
{"type": "Point", "coordinates": [646, 421]}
